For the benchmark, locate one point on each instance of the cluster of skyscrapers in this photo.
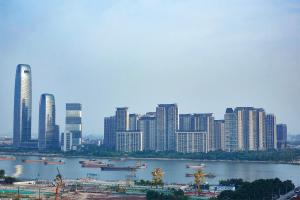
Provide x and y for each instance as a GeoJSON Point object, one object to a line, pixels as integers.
{"type": "Point", "coordinates": [48, 130]}
{"type": "Point", "coordinates": [242, 129]}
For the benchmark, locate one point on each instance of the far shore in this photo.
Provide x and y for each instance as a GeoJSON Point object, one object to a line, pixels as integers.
{"type": "Point", "coordinates": [141, 158]}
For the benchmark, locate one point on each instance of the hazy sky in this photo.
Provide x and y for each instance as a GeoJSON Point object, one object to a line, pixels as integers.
{"type": "Point", "coordinates": [204, 55]}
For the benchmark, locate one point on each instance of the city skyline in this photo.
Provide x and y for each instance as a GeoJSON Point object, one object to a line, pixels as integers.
{"type": "Point", "coordinates": [131, 62]}
{"type": "Point", "coordinates": [127, 124]}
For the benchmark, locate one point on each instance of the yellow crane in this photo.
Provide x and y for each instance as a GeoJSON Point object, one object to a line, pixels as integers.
{"type": "Point", "coordinates": [157, 175]}
{"type": "Point", "coordinates": [199, 178]}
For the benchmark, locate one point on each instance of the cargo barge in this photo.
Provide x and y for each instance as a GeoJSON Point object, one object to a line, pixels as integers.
{"type": "Point", "coordinates": [54, 162]}
{"type": "Point", "coordinates": [92, 164]}
{"type": "Point", "coordinates": [3, 158]}
{"type": "Point", "coordinates": [111, 167]}
{"type": "Point", "coordinates": [114, 168]}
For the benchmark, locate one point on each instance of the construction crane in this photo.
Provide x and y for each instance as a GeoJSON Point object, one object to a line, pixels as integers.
{"type": "Point", "coordinates": [199, 178]}
{"type": "Point", "coordinates": [59, 184]}
{"type": "Point", "coordinates": [157, 175]}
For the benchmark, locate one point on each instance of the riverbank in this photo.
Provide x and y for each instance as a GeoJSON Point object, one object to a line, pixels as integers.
{"type": "Point", "coordinates": [144, 158]}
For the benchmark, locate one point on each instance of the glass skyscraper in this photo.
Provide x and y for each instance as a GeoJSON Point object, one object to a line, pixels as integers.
{"type": "Point", "coordinates": [22, 105]}
{"type": "Point", "coordinates": [48, 130]}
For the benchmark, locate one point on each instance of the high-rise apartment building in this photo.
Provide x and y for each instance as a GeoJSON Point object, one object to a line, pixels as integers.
{"type": "Point", "coordinates": [271, 132]}
{"type": "Point", "coordinates": [204, 122]}
{"type": "Point", "coordinates": [281, 136]}
{"type": "Point", "coordinates": [22, 105]}
{"type": "Point", "coordinates": [66, 141]}
{"type": "Point", "coordinates": [219, 136]}
{"type": "Point", "coordinates": [122, 121]}
{"type": "Point", "coordinates": [166, 126]}
{"type": "Point", "coordinates": [230, 131]}
{"type": "Point", "coordinates": [110, 132]}
{"type": "Point", "coordinates": [147, 125]}
{"type": "Point", "coordinates": [48, 130]}
{"type": "Point", "coordinates": [133, 122]}
{"type": "Point", "coordinates": [74, 123]}
{"type": "Point", "coordinates": [250, 128]}
{"type": "Point", "coordinates": [261, 116]}
{"type": "Point", "coordinates": [191, 141]}
{"type": "Point", "coordinates": [245, 127]}
{"type": "Point", "coordinates": [129, 141]}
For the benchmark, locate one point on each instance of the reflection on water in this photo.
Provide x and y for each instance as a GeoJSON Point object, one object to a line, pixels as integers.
{"type": "Point", "coordinates": [175, 170]}
{"type": "Point", "coordinates": [19, 171]}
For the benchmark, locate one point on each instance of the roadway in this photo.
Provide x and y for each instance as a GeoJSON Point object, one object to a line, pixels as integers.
{"type": "Point", "coordinates": [290, 195]}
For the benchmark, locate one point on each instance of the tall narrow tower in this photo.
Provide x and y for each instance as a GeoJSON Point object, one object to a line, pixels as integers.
{"type": "Point", "coordinates": [48, 130]}
{"type": "Point", "coordinates": [166, 126]}
{"type": "Point", "coordinates": [22, 105]}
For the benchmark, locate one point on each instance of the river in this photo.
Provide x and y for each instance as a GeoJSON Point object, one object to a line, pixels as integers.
{"type": "Point", "coordinates": [174, 170]}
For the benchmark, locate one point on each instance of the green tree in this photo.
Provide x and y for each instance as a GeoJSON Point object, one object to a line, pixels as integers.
{"type": "Point", "coordinates": [2, 173]}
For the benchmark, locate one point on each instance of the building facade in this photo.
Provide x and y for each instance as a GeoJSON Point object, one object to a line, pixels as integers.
{"type": "Point", "coordinates": [271, 132]}
{"type": "Point", "coordinates": [129, 141]}
{"type": "Point", "coordinates": [122, 119]}
{"type": "Point", "coordinates": [133, 122]}
{"type": "Point", "coordinates": [74, 123]}
{"type": "Point", "coordinates": [230, 131]}
{"type": "Point", "coordinates": [48, 130]}
{"type": "Point", "coordinates": [66, 141]}
{"type": "Point", "coordinates": [204, 122]}
{"type": "Point", "coordinates": [261, 117]}
{"type": "Point", "coordinates": [110, 132]}
{"type": "Point", "coordinates": [191, 142]}
{"type": "Point", "coordinates": [251, 128]}
{"type": "Point", "coordinates": [185, 122]}
{"type": "Point", "coordinates": [22, 105]}
{"type": "Point", "coordinates": [166, 126]}
{"type": "Point", "coordinates": [281, 136]}
{"type": "Point", "coordinates": [219, 129]}
{"type": "Point", "coordinates": [147, 124]}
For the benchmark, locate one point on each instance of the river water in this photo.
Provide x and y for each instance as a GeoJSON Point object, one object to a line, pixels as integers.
{"type": "Point", "coordinates": [174, 170]}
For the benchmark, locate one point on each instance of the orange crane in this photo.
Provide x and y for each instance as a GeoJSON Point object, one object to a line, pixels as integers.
{"type": "Point", "coordinates": [59, 184]}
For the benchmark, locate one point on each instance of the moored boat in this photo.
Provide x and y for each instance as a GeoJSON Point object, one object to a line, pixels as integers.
{"type": "Point", "coordinates": [189, 175]}
{"type": "Point", "coordinates": [7, 158]}
{"type": "Point", "coordinates": [92, 164]}
{"type": "Point", "coordinates": [200, 166]}
{"type": "Point", "coordinates": [60, 162]}
{"type": "Point", "coordinates": [114, 168]}
{"type": "Point", "coordinates": [33, 161]}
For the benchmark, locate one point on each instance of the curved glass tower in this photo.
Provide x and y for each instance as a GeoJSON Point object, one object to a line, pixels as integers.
{"type": "Point", "coordinates": [48, 130]}
{"type": "Point", "coordinates": [22, 105]}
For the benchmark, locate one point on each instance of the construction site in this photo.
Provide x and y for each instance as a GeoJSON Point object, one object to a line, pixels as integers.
{"type": "Point", "coordinates": [89, 188]}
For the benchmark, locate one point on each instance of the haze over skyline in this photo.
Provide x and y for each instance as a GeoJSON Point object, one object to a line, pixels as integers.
{"type": "Point", "coordinates": [203, 55]}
